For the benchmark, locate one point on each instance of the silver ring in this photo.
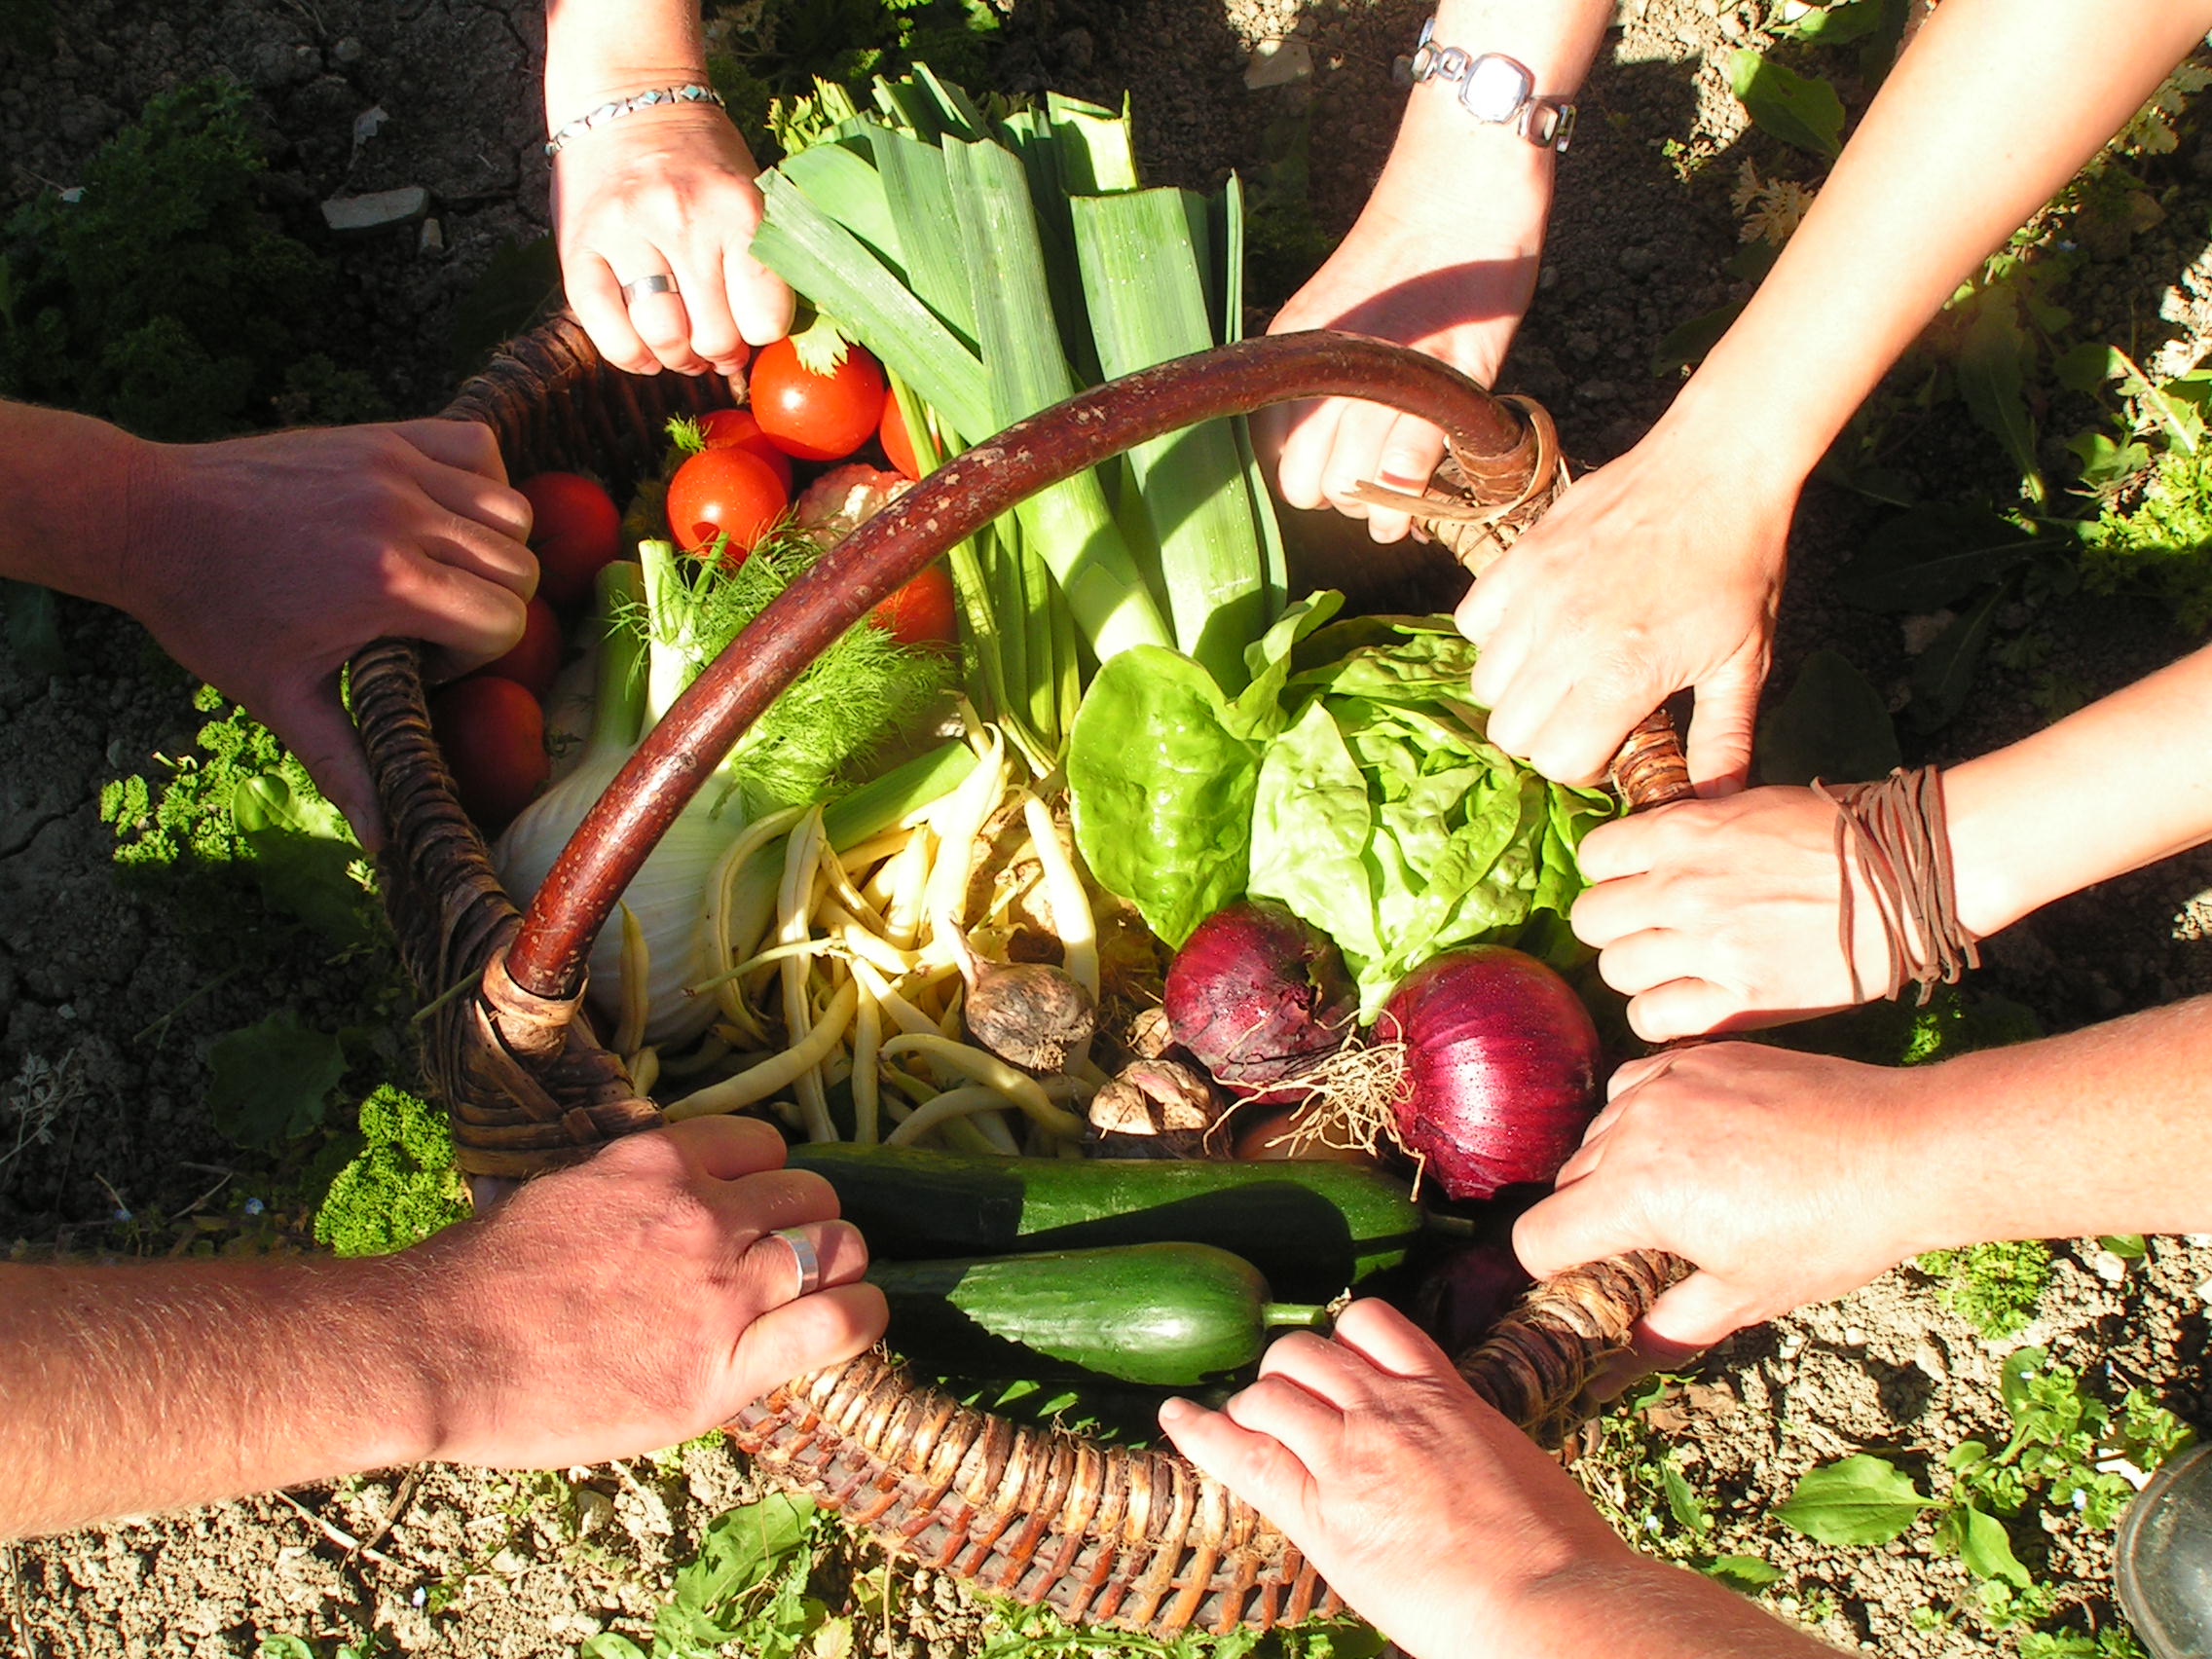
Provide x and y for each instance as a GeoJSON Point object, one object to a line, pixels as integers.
{"type": "Point", "coordinates": [804, 1257]}
{"type": "Point", "coordinates": [659, 282]}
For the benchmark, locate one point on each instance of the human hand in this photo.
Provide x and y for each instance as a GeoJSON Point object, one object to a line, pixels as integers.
{"type": "Point", "coordinates": [1420, 1504]}
{"type": "Point", "coordinates": [1442, 259]}
{"type": "Point", "coordinates": [263, 564]}
{"type": "Point", "coordinates": [1785, 1178]}
{"type": "Point", "coordinates": [1657, 571]}
{"type": "Point", "coordinates": [635, 1300]}
{"type": "Point", "coordinates": [666, 192]}
{"type": "Point", "coordinates": [1723, 916]}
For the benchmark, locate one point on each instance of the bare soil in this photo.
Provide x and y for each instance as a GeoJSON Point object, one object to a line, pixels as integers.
{"type": "Point", "coordinates": [110, 992]}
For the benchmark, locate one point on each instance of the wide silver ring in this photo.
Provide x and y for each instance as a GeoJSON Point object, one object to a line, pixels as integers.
{"type": "Point", "coordinates": [659, 282]}
{"type": "Point", "coordinates": [804, 1256]}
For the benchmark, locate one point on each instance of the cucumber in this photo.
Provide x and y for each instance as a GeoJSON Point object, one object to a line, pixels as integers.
{"type": "Point", "coordinates": [1312, 1229]}
{"type": "Point", "coordinates": [1160, 1316]}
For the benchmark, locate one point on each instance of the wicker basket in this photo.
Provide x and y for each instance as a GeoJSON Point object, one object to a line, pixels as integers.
{"type": "Point", "coordinates": [1139, 1540]}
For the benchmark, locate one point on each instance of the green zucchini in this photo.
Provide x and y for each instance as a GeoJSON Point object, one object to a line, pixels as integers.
{"type": "Point", "coordinates": [1313, 1229]}
{"type": "Point", "coordinates": [1160, 1316]}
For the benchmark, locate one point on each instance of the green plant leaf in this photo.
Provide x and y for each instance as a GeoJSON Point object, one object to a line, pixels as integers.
{"type": "Point", "coordinates": [1161, 788]}
{"type": "Point", "coordinates": [303, 856]}
{"type": "Point", "coordinates": [1861, 1499]}
{"type": "Point", "coordinates": [272, 1081]}
{"type": "Point", "coordinates": [1799, 109]}
{"type": "Point", "coordinates": [1985, 1547]}
{"type": "Point", "coordinates": [1934, 556]}
{"type": "Point", "coordinates": [610, 1644]}
{"type": "Point", "coordinates": [281, 1646]}
{"type": "Point", "coordinates": [1832, 724]}
{"type": "Point", "coordinates": [1686, 345]}
{"type": "Point", "coordinates": [2086, 367]}
{"type": "Point", "coordinates": [1746, 1573]}
{"type": "Point", "coordinates": [2106, 462]}
{"type": "Point", "coordinates": [1682, 1502]}
{"type": "Point", "coordinates": [1837, 22]}
{"type": "Point", "coordinates": [1945, 671]}
{"type": "Point", "coordinates": [2128, 1246]}
{"type": "Point", "coordinates": [1993, 374]}
{"type": "Point", "coordinates": [2015, 1381]}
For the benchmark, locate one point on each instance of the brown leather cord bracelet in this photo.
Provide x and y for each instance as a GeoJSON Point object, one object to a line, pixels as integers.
{"type": "Point", "coordinates": [1895, 828]}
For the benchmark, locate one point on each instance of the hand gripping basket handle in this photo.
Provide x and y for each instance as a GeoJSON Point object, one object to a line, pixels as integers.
{"type": "Point", "coordinates": [1134, 1538]}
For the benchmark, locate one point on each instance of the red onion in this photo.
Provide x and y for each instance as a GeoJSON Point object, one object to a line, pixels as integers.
{"type": "Point", "coordinates": [1462, 1298]}
{"type": "Point", "coordinates": [1501, 1068]}
{"type": "Point", "coordinates": [1258, 995]}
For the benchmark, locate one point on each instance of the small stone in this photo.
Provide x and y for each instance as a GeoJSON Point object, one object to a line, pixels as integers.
{"type": "Point", "coordinates": [307, 62]}
{"type": "Point", "coordinates": [1853, 1337]}
{"type": "Point", "coordinates": [1731, 26]}
{"type": "Point", "coordinates": [368, 123]}
{"type": "Point", "coordinates": [1636, 261]}
{"type": "Point", "coordinates": [1582, 344]}
{"type": "Point", "coordinates": [2204, 1291]}
{"type": "Point", "coordinates": [1597, 392]}
{"type": "Point", "coordinates": [431, 240]}
{"type": "Point", "coordinates": [346, 53]}
{"type": "Point", "coordinates": [380, 209]}
{"type": "Point", "coordinates": [1278, 63]}
{"type": "Point", "coordinates": [2108, 1266]}
{"type": "Point", "coordinates": [1924, 630]}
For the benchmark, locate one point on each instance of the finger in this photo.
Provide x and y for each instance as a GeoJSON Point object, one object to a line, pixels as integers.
{"type": "Point", "coordinates": [468, 620]}
{"type": "Point", "coordinates": [499, 512]}
{"type": "Point", "coordinates": [470, 445]}
{"type": "Point", "coordinates": [1655, 956]}
{"type": "Point", "coordinates": [1258, 1468]}
{"type": "Point", "coordinates": [316, 727]}
{"type": "Point", "coordinates": [1687, 1008]}
{"type": "Point", "coordinates": [1722, 726]}
{"type": "Point", "coordinates": [1327, 1370]}
{"type": "Point", "coordinates": [1287, 1412]}
{"type": "Point", "coordinates": [816, 1331]}
{"type": "Point", "coordinates": [1614, 907]}
{"type": "Point", "coordinates": [1633, 1073]}
{"type": "Point", "coordinates": [1622, 847]}
{"type": "Point", "coordinates": [1583, 1222]}
{"type": "Point", "coordinates": [776, 1262]}
{"type": "Point", "coordinates": [758, 298]}
{"type": "Point", "coordinates": [714, 339]}
{"type": "Point", "coordinates": [1355, 455]}
{"type": "Point", "coordinates": [1699, 1311]}
{"type": "Point", "coordinates": [1390, 1341]}
{"type": "Point", "coordinates": [727, 1147]}
{"type": "Point", "coordinates": [663, 321]}
{"type": "Point", "coordinates": [1411, 452]}
{"type": "Point", "coordinates": [1305, 452]}
{"type": "Point", "coordinates": [463, 544]}
{"type": "Point", "coordinates": [1583, 727]}
{"type": "Point", "coordinates": [595, 295]}
{"type": "Point", "coordinates": [775, 1198]}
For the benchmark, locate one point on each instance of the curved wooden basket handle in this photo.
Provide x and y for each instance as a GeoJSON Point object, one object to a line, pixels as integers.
{"type": "Point", "coordinates": [1488, 439]}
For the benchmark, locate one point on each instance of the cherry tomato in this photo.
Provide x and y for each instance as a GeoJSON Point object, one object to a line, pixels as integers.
{"type": "Point", "coordinates": [576, 529]}
{"type": "Point", "coordinates": [736, 429]}
{"type": "Point", "coordinates": [492, 737]}
{"type": "Point", "coordinates": [723, 490]}
{"type": "Point", "coordinates": [536, 660]}
{"type": "Point", "coordinates": [920, 613]}
{"type": "Point", "coordinates": [816, 416]}
{"type": "Point", "coordinates": [891, 428]}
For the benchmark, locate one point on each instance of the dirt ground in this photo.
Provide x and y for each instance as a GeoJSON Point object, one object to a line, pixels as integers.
{"type": "Point", "coordinates": [107, 995]}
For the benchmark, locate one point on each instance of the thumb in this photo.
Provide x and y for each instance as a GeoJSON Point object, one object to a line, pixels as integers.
{"type": "Point", "coordinates": [1723, 724]}
{"type": "Point", "coordinates": [316, 727]}
{"type": "Point", "coordinates": [1698, 1312]}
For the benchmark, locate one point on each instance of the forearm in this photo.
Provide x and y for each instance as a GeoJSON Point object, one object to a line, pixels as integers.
{"type": "Point", "coordinates": [1640, 1608]}
{"type": "Point", "coordinates": [146, 1387]}
{"type": "Point", "coordinates": [2098, 1131]}
{"type": "Point", "coordinates": [1994, 106]}
{"type": "Point", "coordinates": [2116, 786]}
{"type": "Point", "coordinates": [69, 488]}
{"type": "Point", "coordinates": [1443, 146]}
{"type": "Point", "coordinates": [600, 50]}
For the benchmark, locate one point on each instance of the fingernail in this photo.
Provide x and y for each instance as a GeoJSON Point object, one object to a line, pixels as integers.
{"type": "Point", "coordinates": [1175, 1408]}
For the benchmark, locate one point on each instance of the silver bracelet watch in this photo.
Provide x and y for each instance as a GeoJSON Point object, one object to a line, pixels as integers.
{"type": "Point", "coordinates": [1495, 90]}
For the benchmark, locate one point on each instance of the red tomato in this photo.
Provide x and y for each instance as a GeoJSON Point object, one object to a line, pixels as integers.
{"type": "Point", "coordinates": [492, 737]}
{"type": "Point", "coordinates": [723, 490]}
{"type": "Point", "coordinates": [920, 613]}
{"type": "Point", "coordinates": [736, 429]}
{"type": "Point", "coordinates": [576, 529]}
{"type": "Point", "coordinates": [536, 659]}
{"type": "Point", "coordinates": [816, 416]}
{"type": "Point", "coordinates": [896, 445]}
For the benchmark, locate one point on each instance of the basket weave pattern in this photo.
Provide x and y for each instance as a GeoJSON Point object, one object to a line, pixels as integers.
{"type": "Point", "coordinates": [1138, 1540]}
